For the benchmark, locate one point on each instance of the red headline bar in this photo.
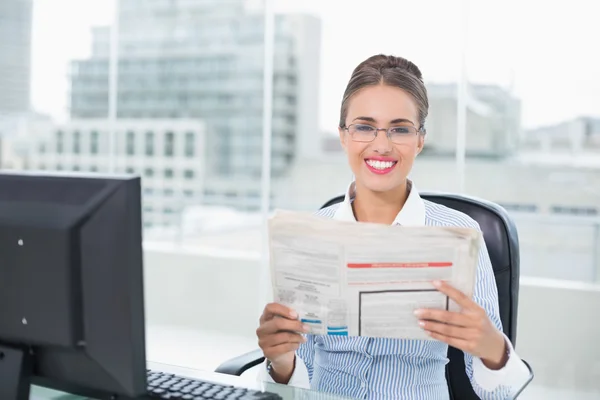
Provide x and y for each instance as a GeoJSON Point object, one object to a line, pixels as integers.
{"type": "Point", "coordinates": [401, 265]}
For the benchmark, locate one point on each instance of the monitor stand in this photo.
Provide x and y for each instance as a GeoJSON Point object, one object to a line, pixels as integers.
{"type": "Point", "coordinates": [15, 372]}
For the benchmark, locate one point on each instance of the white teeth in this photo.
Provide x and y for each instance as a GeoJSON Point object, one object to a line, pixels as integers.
{"type": "Point", "coordinates": [380, 164]}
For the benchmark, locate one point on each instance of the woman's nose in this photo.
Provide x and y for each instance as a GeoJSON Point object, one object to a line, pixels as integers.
{"type": "Point", "coordinates": [381, 143]}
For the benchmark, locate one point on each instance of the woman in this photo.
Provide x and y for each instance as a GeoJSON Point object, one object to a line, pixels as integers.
{"type": "Point", "coordinates": [382, 129]}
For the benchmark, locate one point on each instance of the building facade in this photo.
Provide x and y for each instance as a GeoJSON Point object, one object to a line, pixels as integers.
{"type": "Point", "coordinates": [493, 124]}
{"type": "Point", "coordinates": [15, 58]}
{"type": "Point", "coordinates": [204, 60]}
{"type": "Point", "coordinates": [164, 153]}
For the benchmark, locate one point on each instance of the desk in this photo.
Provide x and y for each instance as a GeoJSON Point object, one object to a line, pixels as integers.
{"type": "Point", "coordinates": [286, 392]}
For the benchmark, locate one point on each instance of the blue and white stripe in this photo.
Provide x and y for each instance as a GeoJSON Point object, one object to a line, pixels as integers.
{"type": "Point", "coordinates": [376, 368]}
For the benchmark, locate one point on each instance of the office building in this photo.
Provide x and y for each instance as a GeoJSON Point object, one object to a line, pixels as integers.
{"type": "Point", "coordinates": [493, 123]}
{"type": "Point", "coordinates": [575, 136]}
{"type": "Point", "coordinates": [204, 60]}
{"type": "Point", "coordinates": [165, 153]}
{"type": "Point", "coordinates": [15, 59]}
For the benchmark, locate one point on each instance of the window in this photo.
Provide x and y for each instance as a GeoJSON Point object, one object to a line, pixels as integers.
{"type": "Point", "coordinates": [168, 192]}
{"type": "Point", "coordinates": [148, 191]}
{"type": "Point", "coordinates": [130, 170]}
{"type": "Point", "coordinates": [60, 145]}
{"type": "Point", "coordinates": [190, 144]}
{"type": "Point", "coordinates": [188, 193]}
{"type": "Point", "coordinates": [168, 173]}
{"type": "Point", "coordinates": [519, 207]}
{"type": "Point", "coordinates": [76, 142]}
{"type": "Point", "coordinates": [130, 143]}
{"type": "Point", "coordinates": [149, 172]}
{"type": "Point", "coordinates": [574, 210]}
{"type": "Point", "coordinates": [94, 142]}
{"type": "Point", "coordinates": [93, 168]}
{"type": "Point", "coordinates": [149, 143]}
{"type": "Point", "coordinates": [169, 144]}
{"type": "Point", "coordinates": [189, 174]}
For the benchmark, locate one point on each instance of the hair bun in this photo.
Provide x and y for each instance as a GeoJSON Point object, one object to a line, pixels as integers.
{"type": "Point", "coordinates": [382, 62]}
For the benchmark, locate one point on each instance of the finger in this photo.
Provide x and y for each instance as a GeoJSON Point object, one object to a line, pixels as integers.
{"type": "Point", "coordinates": [275, 309]}
{"type": "Point", "coordinates": [447, 330]}
{"type": "Point", "coordinates": [281, 324]}
{"type": "Point", "coordinates": [448, 317]}
{"type": "Point", "coordinates": [280, 338]}
{"type": "Point", "coordinates": [455, 294]}
{"type": "Point", "coordinates": [279, 350]}
{"type": "Point", "coordinates": [460, 344]}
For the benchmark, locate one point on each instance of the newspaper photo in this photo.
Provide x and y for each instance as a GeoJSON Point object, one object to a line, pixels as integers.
{"type": "Point", "coordinates": [361, 279]}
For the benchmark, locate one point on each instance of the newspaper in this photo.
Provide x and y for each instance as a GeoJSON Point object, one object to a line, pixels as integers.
{"type": "Point", "coordinates": [361, 279]}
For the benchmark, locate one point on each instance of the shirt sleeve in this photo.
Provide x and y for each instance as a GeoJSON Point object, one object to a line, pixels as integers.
{"type": "Point", "coordinates": [493, 384]}
{"type": "Point", "coordinates": [303, 366]}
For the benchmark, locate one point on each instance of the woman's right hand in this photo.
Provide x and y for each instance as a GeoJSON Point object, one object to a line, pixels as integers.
{"type": "Point", "coordinates": [279, 336]}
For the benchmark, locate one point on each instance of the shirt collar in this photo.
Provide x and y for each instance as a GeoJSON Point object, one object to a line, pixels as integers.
{"type": "Point", "coordinates": [412, 214]}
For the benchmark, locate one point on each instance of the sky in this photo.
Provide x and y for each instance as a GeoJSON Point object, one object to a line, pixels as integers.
{"type": "Point", "coordinates": [541, 51]}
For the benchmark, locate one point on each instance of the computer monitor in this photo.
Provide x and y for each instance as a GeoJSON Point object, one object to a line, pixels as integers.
{"type": "Point", "coordinates": [71, 285]}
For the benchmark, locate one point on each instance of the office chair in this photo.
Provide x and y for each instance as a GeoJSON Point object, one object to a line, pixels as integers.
{"type": "Point", "coordinates": [501, 238]}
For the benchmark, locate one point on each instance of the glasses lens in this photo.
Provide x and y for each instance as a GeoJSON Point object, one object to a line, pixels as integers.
{"type": "Point", "coordinates": [400, 134]}
{"type": "Point", "coordinates": [362, 133]}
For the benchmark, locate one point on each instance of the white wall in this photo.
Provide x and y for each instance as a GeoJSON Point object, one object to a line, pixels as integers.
{"type": "Point", "coordinates": [202, 290]}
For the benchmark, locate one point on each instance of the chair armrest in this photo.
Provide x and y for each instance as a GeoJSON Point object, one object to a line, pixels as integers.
{"type": "Point", "coordinates": [238, 365]}
{"type": "Point", "coordinates": [531, 375]}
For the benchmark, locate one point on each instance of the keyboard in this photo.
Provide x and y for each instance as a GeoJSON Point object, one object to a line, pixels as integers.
{"type": "Point", "coordinates": [168, 386]}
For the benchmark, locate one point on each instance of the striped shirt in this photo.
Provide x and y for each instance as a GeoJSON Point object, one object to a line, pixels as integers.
{"type": "Point", "coordinates": [377, 368]}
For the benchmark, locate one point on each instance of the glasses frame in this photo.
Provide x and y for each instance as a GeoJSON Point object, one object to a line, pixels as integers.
{"type": "Point", "coordinates": [420, 130]}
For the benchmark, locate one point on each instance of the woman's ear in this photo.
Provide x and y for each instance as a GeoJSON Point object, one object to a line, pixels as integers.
{"type": "Point", "coordinates": [421, 143]}
{"type": "Point", "coordinates": [342, 134]}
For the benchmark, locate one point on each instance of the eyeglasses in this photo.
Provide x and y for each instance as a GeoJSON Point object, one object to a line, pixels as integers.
{"type": "Point", "coordinates": [368, 133]}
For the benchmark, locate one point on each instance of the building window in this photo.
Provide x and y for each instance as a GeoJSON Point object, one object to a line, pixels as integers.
{"type": "Point", "coordinates": [148, 191]}
{"type": "Point", "coordinates": [130, 170]}
{"type": "Point", "coordinates": [149, 143]}
{"type": "Point", "coordinates": [76, 168]}
{"type": "Point", "coordinates": [169, 144]}
{"type": "Point", "coordinates": [149, 172]}
{"type": "Point", "coordinates": [42, 148]}
{"type": "Point", "coordinates": [190, 144]}
{"type": "Point", "coordinates": [76, 142]}
{"type": "Point", "coordinates": [168, 192]}
{"type": "Point", "coordinates": [168, 210]}
{"type": "Point", "coordinates": [130, 143]}
{"type": "Point", "coordinates": [189, 174]}
{"type": "Point", "coordinates": [60, 145]}
{"type": "Point", "coordinates": [168, 173]}
{"type": "Point", "coordinates": [93, 168]}
{"type": "Point", "coordinates": [94, 142]}
{"type": "Point", "coordinates": [565, 210]}
{"type": "Point", "coordinates": [59, 167]}
{"type": "Point", "coordinates": [42, 167]}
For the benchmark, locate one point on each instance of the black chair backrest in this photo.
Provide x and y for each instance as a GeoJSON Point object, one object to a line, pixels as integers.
{"type": "Point", "coordinates": [501, 239]}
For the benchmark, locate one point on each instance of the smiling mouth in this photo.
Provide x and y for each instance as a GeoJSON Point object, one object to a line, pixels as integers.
{"type": "Point", "coordinates": [381, 165]}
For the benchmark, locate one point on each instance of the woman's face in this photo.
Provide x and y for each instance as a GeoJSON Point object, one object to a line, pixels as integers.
{"type": "Point", "coordinates": [382, 165]}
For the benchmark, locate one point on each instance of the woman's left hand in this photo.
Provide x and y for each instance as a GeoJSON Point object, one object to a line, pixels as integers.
{"type": "Point", "coordinates": [469, 330]}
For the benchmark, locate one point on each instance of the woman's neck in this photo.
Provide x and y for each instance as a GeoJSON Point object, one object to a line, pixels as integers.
{"type": "Point", "coordinates": [379, 207]}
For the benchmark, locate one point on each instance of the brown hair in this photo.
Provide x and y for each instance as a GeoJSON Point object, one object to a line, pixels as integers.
{"type": "Point", "coordinates": [391, 71]}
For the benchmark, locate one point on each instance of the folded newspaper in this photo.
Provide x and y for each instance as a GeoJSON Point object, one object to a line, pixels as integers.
{"type": "Point", "coordinates": [362, 279]}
